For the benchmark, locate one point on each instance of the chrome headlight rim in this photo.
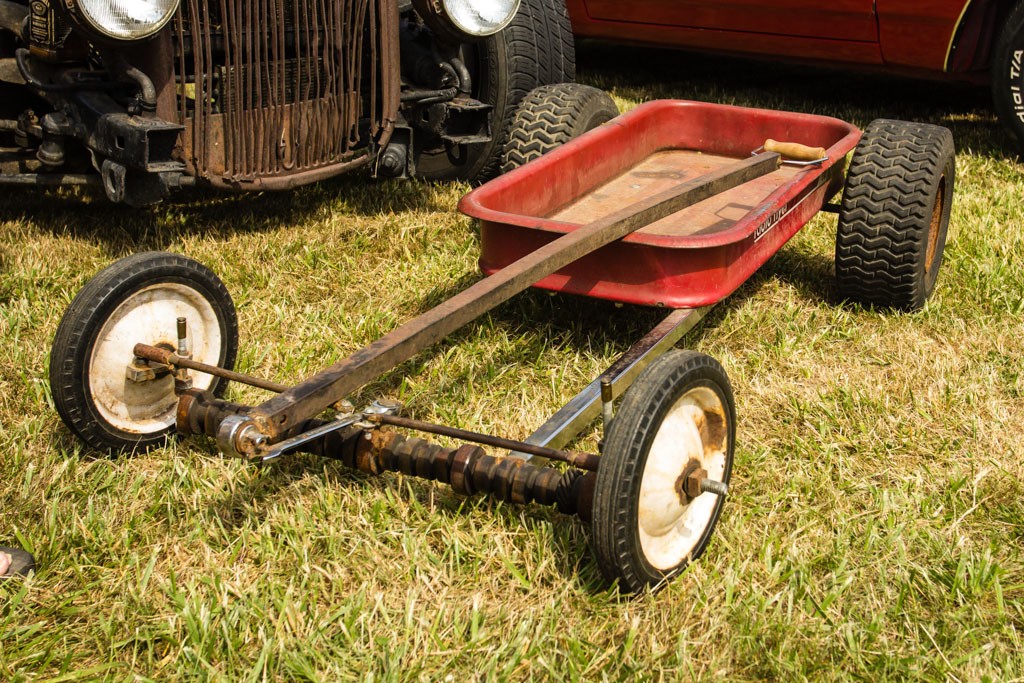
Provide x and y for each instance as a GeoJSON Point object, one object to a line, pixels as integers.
{"type": "Point", "coordinates": [456, 11]}
{"type": "Point", "coordinates": [451, 21]}
{"type": "Point", "coordinates": [88, 14]}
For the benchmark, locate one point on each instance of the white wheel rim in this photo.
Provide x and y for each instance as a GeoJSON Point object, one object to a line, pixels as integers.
{"type": "Point", "coordinates": [150, 316]}
{"type": "Point", "coordinates": [695, 428]}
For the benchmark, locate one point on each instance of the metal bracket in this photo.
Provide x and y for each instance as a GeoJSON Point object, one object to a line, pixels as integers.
{"type": "Point", "coordinates": [289, 445]}
{"type": "Point", "coordinates": [141, 370]}
{"type": "Point", "coordinates": [581, 410]}
{"type": "Point", "coordinates": [237, 431]}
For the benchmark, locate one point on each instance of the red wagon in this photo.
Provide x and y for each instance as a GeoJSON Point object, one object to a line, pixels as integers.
{"type": "Point", "coordinates": [664, 206]}
{"type": "Point", "coordinates": [694, 257]}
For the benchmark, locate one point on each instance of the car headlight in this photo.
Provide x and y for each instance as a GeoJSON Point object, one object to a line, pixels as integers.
{"type": "Point", "coordinates": [481, 17]}
{"type": "Point", "coordinates": [124, 19]}
{"type": "Point", "coordinates": [462, 19]}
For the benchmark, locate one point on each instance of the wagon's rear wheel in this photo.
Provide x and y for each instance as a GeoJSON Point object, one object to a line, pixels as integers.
{"type": "Point", "coordinates": [535, 49]}
{"type": "Point", "coordinates": [137, 299]}
{"type": "Point", "coordinates": [675, 427]}
{"type": "Point", "coordinates": [895, 214]}
{"type": "Point", "coordinates": [552, 115]}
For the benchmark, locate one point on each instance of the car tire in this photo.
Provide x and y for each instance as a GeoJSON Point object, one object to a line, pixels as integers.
{"type": "Point", "coordinates": [550, 116]}
{"type": "Point", "coordinates": [1008, 75]}
{"type": "Point", "coordinates": [894, 215]}
{"type": "Point", "coordinates": [535, 49]}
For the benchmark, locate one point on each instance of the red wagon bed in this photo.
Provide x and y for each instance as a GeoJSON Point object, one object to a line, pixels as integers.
{"type": "Point", "coordinates": [694, 257]}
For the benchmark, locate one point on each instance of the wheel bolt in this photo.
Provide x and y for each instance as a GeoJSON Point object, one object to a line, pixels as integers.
{"type": "Point", "coordinates": [183, 349]}
{"type": "Point", "coordinates": [719, 488]}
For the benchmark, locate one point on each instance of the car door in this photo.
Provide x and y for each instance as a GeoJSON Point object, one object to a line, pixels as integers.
{"type": "Point", "coordinates": [845, 20]}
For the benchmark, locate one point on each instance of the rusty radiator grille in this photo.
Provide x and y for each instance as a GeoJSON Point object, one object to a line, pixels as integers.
{"type": "Point", "coordinates": [271, 89]}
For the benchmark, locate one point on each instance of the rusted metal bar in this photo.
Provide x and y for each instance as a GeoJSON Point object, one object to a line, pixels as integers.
{"type": "Point", "coordinates": [200, 412]}
{"type": "Point", "coordinates": [52, 179]}
{"type": "Point", "coordinates": [155, 354]}
{"type": "Point", "coordinates": [307, 399]}
{"type": "Point", "coordinates": [468, 469]}
{"type": "Point", "coordinates": [584, 461]}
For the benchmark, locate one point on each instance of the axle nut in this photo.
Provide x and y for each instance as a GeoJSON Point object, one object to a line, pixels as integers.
{"type": "Point", "coordinates": [239, 436]}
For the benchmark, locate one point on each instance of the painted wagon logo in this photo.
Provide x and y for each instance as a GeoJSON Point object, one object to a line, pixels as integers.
{"type": "Point", "coordinates": [772, 221]}
{"type": "Point", "coordinates": [776, 216]}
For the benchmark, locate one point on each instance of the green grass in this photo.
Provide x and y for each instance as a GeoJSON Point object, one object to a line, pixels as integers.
{"type": "Point", "coordinates": [875, 527]}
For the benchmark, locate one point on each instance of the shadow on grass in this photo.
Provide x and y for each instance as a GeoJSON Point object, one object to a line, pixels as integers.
{"type": "Point", "coordinates": [122, 229]}
{"type": "Point", "coordinates": [564, 320]}
{"type": "Point", "coordinates": [811, 274]}
{"type": "Point", "coordinates": [574, 321]}
{"type": "Point", "coordinates": [541, 320]}
{"type": "Point", "coordinates": [569, 551]}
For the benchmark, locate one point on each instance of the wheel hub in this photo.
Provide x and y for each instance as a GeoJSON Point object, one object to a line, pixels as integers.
{"type": "Point", "coordinates": [150, 314]}
{"type": "Point", "coordinates": [673, 515]}
{"type": "Point", "coordinates": [688, 485]}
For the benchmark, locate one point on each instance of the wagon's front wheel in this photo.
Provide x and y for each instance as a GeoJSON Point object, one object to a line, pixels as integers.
{"type": "Point", "coordinates": [669, 445]}
{"type": "Point", "coordinates": [136, 300]}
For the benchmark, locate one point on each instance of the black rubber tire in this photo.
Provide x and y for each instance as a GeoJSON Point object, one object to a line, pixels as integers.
{"type": "Point", "coordinates": [83, 320]}
{"type": "Point", "coordinates": [1007, 74]}
{"type": "Point", "coordinates": [894, 215]}
{"type": "Point", "coordinates": [535, 49]}
{"type": "Point", "coordinates": [550, 116]}
{"type": "Point", "coordinates": [22, 563]}
{"type": "Point", "coordinates": [616, 534]}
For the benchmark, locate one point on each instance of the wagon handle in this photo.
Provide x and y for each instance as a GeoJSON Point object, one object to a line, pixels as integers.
{"type": "Point", "coordinates": [794, 151]}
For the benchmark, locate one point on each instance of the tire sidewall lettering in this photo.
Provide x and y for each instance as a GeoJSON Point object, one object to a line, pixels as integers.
{"type": "Point", "coordinates": [1016, 96]}
{"type": "Point", "coordinates": [1007, 70]}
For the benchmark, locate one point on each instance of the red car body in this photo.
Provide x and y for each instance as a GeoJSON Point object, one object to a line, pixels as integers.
{"type": "Point", "coordinates": [902, 34]}
{"type": "Point", "coordinates": [971, 40]}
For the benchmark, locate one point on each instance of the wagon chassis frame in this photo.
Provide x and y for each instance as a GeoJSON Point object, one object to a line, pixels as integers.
{"type": "Point", "coordinates": [146, 345]}
{"type": "Point", "coordinates": [286, 423]}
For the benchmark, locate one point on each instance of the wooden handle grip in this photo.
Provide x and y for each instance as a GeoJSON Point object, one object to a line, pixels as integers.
{"type": "Point", "coordinates": [795, 151]}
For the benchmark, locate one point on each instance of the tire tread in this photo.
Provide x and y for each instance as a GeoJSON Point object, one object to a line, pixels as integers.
{"type": "Point", "coordinates": [886, 211]}
{"type": "Point", "coordinates": [550, 116]}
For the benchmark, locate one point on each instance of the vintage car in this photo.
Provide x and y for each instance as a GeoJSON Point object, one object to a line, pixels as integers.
{"type": "Point", "coordinates": [971, 40]}
{"type": "Point", "coordinates": [142, 97]}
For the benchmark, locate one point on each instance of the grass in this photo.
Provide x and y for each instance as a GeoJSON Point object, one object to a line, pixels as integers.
{"type": "Point", "coordinates": [875, 531]}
